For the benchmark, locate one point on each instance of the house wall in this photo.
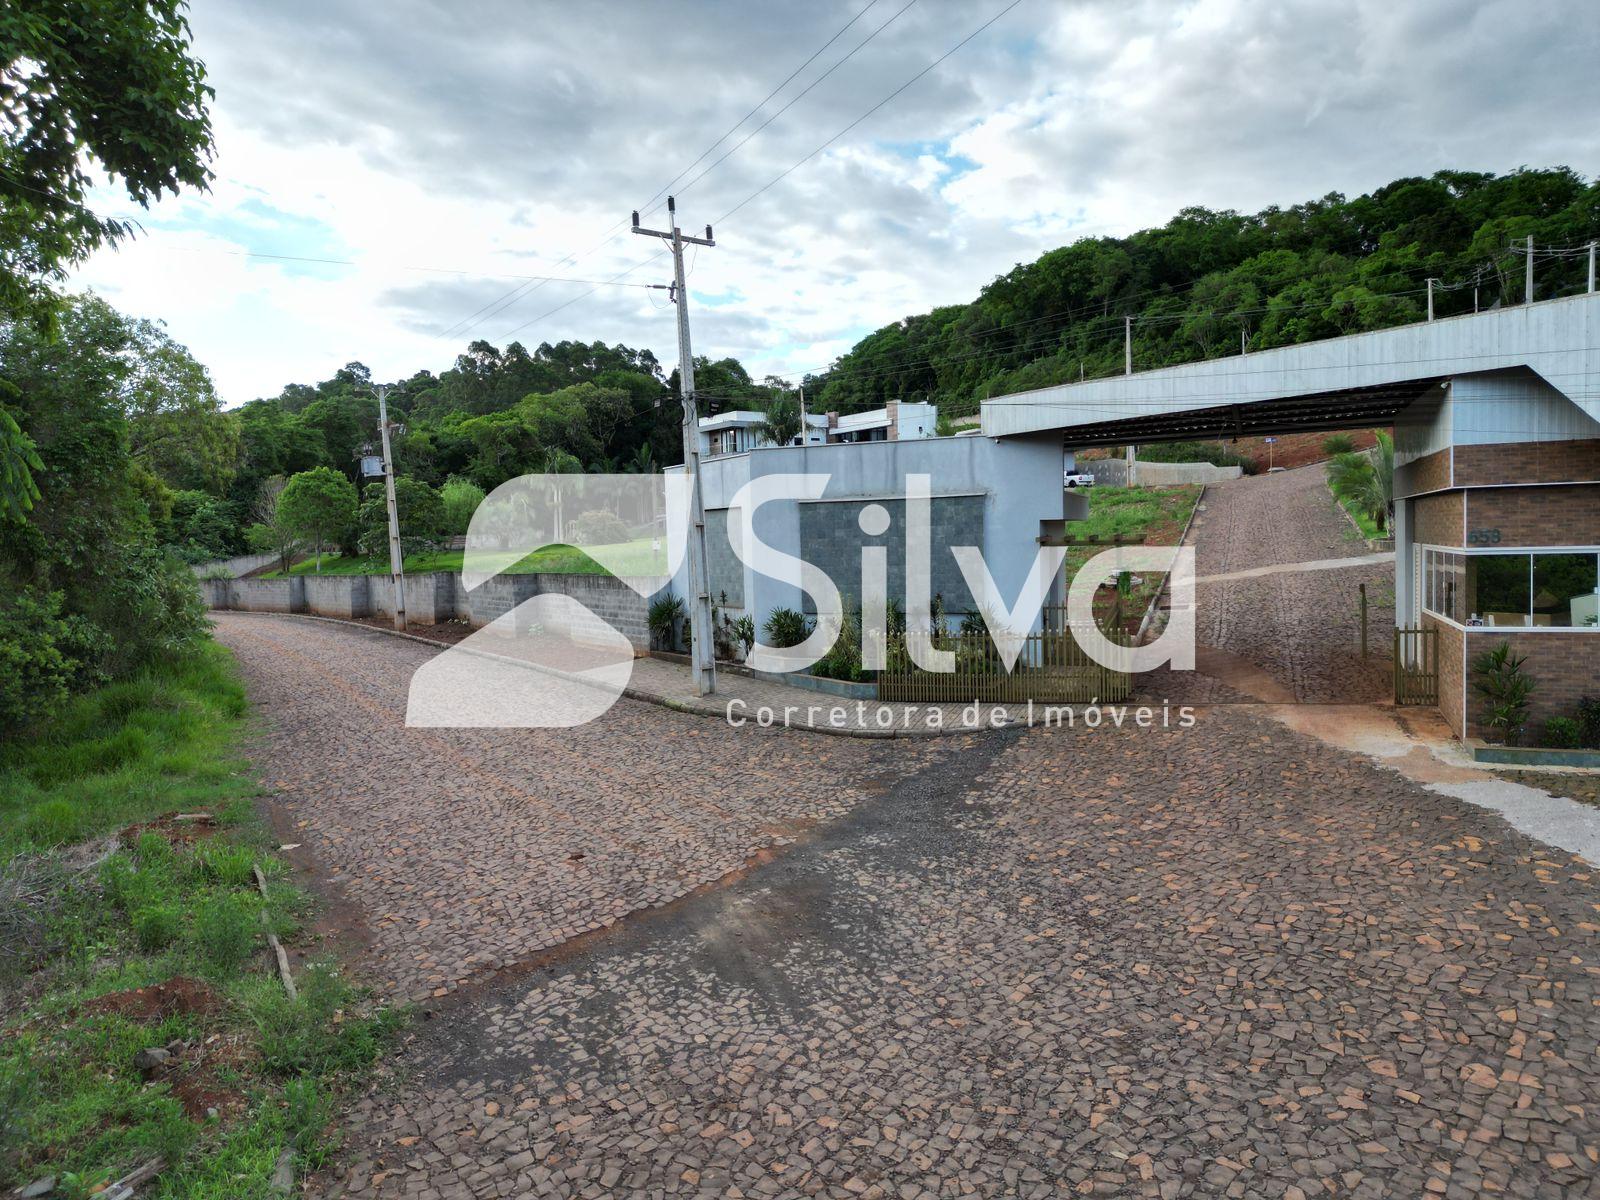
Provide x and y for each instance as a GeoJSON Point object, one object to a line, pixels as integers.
{"type": "Point", "coordinates": [1437, 519]}
{"type": "Point", "coordinates": [1561, 664]}
{"type": "Point", "coordinates": [1452, 674]}
{"type": "Point", "coordinates": [992, 494]}
{"type": "Point", "coordinates": [1535, 516]}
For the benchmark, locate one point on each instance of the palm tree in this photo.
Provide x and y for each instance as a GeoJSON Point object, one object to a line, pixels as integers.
{"type": "Point", "coordinates": [1365, 479]}
{"type": "Point", "coordinates": [781, 425]}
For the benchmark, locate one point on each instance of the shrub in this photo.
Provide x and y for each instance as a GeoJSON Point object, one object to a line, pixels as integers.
{"type": "Point", "coordinates": [225, 930]}
{"type": "Point", "coordinates": [1589, 721]}
{"type": "Point", "coordinates": [43, 655]}
{"type": "Point", "coordinates": [785, 627]}
{"type": "Point", "coordinates": [599, 528]}
{"type": "Point", "coordinates": [157, 926]}
{"type": "Point", "coordinates": [1214, 453]}
{"type": "Point", "coordinates": [663, 620]}
{"type": "Point", "coordinates": [1338, 443]}
{"type": "Point", "coordinates": [1561, 733]}
{"type": "Point", "coordinates": [149, 609]}
{"type": "Point", "coordinates": [1499, 679]}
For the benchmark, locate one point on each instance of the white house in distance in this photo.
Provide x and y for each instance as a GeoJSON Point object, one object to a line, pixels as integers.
{"type": "Point", "coordinates": [738, 431]}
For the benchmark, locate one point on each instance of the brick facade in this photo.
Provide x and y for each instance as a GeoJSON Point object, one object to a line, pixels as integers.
{"type": "Point", "coordinates": [1528, 462]}
{"type": "Point", "coordinates": [1565, 667]}
{"type": "Point", "coordinates": [1452, 682]}
{"type": "Point", "coordinates": [1436, 520]}
{"type": "Point", "coordinates": [1537, 516]}
{"type": "Point", "coordinates": [1431, 473]}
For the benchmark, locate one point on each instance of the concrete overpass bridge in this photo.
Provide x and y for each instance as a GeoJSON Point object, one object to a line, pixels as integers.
{"type": "Point", "coordinates": [1497, 482]}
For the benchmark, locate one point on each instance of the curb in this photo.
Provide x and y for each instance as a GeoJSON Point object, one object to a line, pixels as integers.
{"type": "Point", "coordinates": [688, 708]}
{"type": "Point", "coordinates": [1166, 584]}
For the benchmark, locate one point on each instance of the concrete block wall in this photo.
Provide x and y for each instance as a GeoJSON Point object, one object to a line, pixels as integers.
{"type": "Point", "coordinates": [433, 598]}
{"type": "Point", "coordinates": [343, 596]}
{"type": "Point", "coordinates": [266, 595]}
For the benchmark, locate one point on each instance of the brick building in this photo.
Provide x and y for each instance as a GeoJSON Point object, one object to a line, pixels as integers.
{"type": "Point", "coordinates": [1497, 483]}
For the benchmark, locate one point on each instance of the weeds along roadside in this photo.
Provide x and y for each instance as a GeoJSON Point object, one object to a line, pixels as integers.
{"type": "Point", "coordinates": [141, 1012]}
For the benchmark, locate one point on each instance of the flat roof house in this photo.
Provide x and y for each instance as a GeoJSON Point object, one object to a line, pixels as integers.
{"type": "Point", "coordinates": [738, 430]}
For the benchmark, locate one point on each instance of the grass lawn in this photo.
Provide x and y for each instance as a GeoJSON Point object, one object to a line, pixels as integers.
{"type": "Point", "coordinates": [87, 916]}
{"type": "Point", "coordinates": [1148, 516]}
{"type": "Point", "coordinates": [637, 558]}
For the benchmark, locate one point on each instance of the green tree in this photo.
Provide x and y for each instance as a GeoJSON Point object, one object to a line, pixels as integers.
{"type": "Point", "coordinates": [418, 509]}
{"type": "Point", "coordinates": [458, 499]}
{"type": "Point", "coordinates": [781, 425]}
{"type": "Point", "coordinates": [1365, 478]}
{"type": "Point", "coordinates": [86, 84]}
{"type": "Point", "coordinates": [87, 546]}
{"type": "Point", "coordinates": [317, 505]}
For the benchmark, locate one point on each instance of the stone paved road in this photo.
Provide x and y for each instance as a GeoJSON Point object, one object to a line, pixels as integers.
{"type": "Point", "coordinates": [465, 851]}
{"type": "Point", "coordinates": [1220, 961]}
{"type": "Point", "coordinates": [1301, 629]}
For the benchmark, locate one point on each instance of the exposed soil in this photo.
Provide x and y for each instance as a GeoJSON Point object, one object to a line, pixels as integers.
{"type": "Point", "coordinates": [178, 996]}
{"type": "Point", "coordinates": [196, 1077]}
{"type": "Point", "coordinates": [181, 829]}
{"type": "Point", "coordinates": [446, 633]}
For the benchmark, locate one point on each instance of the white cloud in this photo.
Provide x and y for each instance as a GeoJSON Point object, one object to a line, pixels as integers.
{"type": "Point", "coordinates": [409, 136]}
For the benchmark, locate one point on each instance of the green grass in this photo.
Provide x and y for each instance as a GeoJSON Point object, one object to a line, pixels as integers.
{"type": "Point", "coordinates": [71, 1102]}
{"type": "Point", "coordinates": [1139, 514]}
{"type": "Point", "coordinates": [638, 558]}
{"type": "Point", "coordinates": [1369, 527]}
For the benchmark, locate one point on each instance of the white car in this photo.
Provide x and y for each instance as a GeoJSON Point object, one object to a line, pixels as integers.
{"type": "Point", "coordinates": [1078, 480]}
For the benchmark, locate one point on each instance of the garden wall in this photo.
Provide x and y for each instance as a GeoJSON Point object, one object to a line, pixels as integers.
{"type": "Point", "coordinates": [1113, 472]}
{"type": "Point", "coordinates": [432, 598]}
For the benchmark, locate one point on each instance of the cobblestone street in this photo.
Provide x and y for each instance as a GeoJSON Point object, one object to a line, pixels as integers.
{"type": "Point", "coordinates": [1218, 961]}
{"type": "Point", "coordinates": [1302, 629]}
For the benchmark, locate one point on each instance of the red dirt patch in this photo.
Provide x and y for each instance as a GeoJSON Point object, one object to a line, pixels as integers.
{"type": "Point", "coordinates": [178, 996]}
{"type": "Point", "coordinates": [197, 1084]}
{"type": "Point", "coordinates": [180, 829]}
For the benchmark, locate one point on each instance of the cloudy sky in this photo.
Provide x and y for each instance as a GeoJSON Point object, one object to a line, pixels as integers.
{"type": "Point", "coordinates": [442, 153]}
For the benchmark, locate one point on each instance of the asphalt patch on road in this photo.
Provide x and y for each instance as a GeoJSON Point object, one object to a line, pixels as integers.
{"type": "Point", "coordinates": [761, 933]}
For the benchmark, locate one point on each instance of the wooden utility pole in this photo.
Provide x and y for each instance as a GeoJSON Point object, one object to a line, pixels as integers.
{"type": "Point", "coordinates": [702, 651]}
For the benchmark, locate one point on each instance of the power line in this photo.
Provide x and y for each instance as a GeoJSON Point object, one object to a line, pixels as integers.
{"type": "Point", "coordinates": [503, 302]}
{"type": "Point", "coordinates": [807, 158]}
{"type": "Point", "coordinates": [800, 162]}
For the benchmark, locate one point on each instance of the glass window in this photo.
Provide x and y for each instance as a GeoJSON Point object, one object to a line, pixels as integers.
{"type": "Point", "coordinates": [1564, 590]}
{"type": "Point", "coordinates": [1498, 588]}
{"type": "Point", "coordinates": [1443, 584]}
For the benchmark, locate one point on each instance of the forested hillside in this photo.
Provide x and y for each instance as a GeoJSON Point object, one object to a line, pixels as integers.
{"type": "Point", "coordinates": [1316, 270]}
{"type": "Point", "coordinates": [1193, 286]}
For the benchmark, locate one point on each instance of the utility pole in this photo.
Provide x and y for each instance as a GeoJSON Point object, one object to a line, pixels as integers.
{"type": "Point", "coordinates": [1431, 282]}
{"type": "Point", "coordinates": [805, 434]}
{"type": "Point", "coordinates": [1592, 245]}
{"type": "Point", "coordinates": [702, 655]}
{"type": "Point", "coordinates": [396, 567]}
{"type": "Point", "coordinates": [1527, 287]}
{"type": "Point", "coordinates": [1127, 345]}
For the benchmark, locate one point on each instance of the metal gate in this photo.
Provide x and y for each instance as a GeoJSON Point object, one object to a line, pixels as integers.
{"type": "Point", "coordinates": [1051, 668]}
{"type": "Point", "coordinates": [1416, 666]}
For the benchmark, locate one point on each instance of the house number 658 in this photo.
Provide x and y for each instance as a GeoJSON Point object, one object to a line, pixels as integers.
{"type": "Point", "coordinates": [1483, 537]}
